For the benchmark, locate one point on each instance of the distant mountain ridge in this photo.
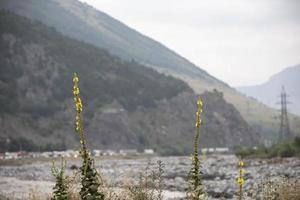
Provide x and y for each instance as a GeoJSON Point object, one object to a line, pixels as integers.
{"type": "Point", "coordinates": [268, 92]}
{"type": "Point", "coordinates": [126, 105]}
{"type": "Point", "coordinates": [83, 22]}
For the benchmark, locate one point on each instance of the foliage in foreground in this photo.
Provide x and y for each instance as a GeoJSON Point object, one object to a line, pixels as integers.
{"type": "Point", "coordinates": [240, 179]}
{"type": "Point", "coordinates": [278, 188]}
{"type": "Point", "coordinates": [60, 190]}
{"type": "Point", "coordinates": [148, 187]}
{"type": "Point", "coordinates": [89, 179]}
{"type": "Point", "coordinates": [196, 190]}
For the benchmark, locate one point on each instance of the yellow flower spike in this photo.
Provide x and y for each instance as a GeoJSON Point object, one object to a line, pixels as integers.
{"type": "Point", "coordinates": [241, 163]}
{"type": "Point", "coordinates": [199, 102]}
{"type": "Point", "coordinates": [240, 181]}
{"type": "Point", "coordinates": [87, 170]}
{"type": "Point", "coordinates": [78, 108]}
{"type": "Point", "coordinates": [76, 91]}
{"type": "Point", "coordinates": [75, 79]}
{"type": "Point", "coordinates": [198, 113]}
{"type": "Point", "coordinates": [195, 180]}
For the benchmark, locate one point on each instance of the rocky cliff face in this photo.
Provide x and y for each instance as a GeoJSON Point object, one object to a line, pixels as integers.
{"type": "Point", "coordinates": [126, 105]}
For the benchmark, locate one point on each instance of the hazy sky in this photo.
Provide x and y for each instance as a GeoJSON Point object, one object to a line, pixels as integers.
{"type": "Point", "coordinates": [241, 42]}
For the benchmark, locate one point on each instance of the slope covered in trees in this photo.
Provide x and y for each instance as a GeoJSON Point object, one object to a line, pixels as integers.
{"type": "Point", "coordinates": [126, 105]}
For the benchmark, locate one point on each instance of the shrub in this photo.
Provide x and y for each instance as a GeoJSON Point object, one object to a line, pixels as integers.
{"type": "Point", "coordinates": [277, 188]}
{"type": "Point", "coordinates": [61, 188]}
{"type": "Point", "coordinates": [149, 185]}
{"type": "Point", "coordinates": [286, 150]}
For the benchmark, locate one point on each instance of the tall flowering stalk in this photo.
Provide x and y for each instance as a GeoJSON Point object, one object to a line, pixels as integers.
{"type": "Point", "coordinates": [196, 189]}
{"type": "Point", "coordinates": [89, 180]}
{"type": "Point", "coordinates": [240, 179]}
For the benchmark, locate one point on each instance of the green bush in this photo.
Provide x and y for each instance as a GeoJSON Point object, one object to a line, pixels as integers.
{"type": "Point", "coordinates": [60, 190]}
{"type": "Point", "coordinates": [285, 149]}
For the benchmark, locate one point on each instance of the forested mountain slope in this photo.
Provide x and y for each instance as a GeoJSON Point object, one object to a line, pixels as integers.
{"type": "Point", "coordinates": [126, 105]}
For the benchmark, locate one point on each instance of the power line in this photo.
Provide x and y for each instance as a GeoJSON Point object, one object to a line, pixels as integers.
{"type": "Point", "coordinates": [284, 131]}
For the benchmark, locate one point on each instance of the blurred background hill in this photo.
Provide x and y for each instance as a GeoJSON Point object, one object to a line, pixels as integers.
{"type": "Point", "coordinates": [126, 105]}
{"type": "Point", "coordinates": [269, 91]}
{"type": "Point", "coordinates": [119, 68]}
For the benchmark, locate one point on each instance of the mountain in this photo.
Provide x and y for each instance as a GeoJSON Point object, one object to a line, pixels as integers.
{"type": "Point", "coordinates": [83, 22]}
{"type": "Point", "coordinates": [126, 105]}
{"type": "Point", "coordinates": [269, 92]}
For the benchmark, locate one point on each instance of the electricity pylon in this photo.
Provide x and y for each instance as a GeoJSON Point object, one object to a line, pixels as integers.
{"type": "Point", "coordinates": [284, 131]}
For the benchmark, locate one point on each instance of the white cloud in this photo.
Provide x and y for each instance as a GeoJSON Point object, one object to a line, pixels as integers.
{"type": "Point", "coordinates": [242, 42]}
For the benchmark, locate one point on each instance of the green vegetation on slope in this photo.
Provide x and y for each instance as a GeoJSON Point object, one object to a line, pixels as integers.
{"type": "Point", "coordinates": [85, 23]}
{"type": "Point", "coordinates": [108, 78]}
{"type": "Point", "coordinates": [36, 62]}
{"type": "Point", "coordinates": [127, 104]}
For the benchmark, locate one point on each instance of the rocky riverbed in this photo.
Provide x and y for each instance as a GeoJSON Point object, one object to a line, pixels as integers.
{"type": "Point", "coordinates": [219, 174]}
